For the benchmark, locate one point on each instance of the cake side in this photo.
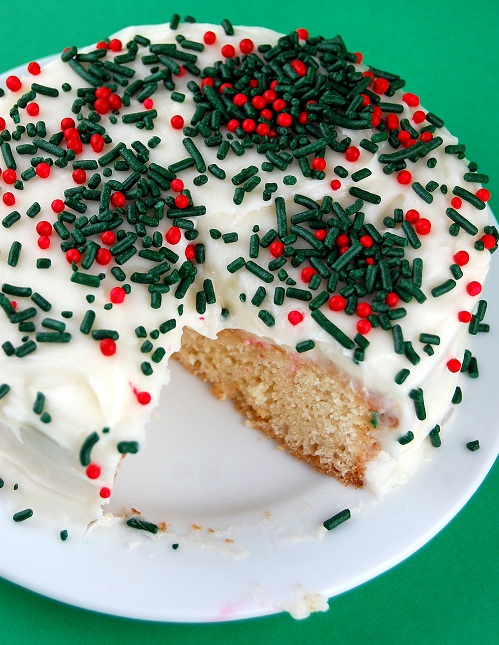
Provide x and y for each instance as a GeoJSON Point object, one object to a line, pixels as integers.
{"type": "Point", "coordinates": [311, 409]}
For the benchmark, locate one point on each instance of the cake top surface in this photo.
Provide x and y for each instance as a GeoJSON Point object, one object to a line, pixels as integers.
{"type": "Point", "coordinates": [225, 177]}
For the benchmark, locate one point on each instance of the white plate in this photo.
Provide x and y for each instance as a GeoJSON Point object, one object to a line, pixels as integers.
{"type": "Point", "coordinates": [248, 517]}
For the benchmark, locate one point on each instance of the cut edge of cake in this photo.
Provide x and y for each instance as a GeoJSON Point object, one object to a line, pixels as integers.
{"type": "Point", "coordinates": [312, 409]}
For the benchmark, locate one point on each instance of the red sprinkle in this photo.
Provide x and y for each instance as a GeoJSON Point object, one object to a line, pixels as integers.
{"type": "Point", "coordinates": [279, 105]}
{"type": "Point", "coordinates": [79, 176]}
{"type": "Point", "coordinates": [13, 83]}
{"type": "Point", "coordinates": [363, 310]}
{"type": "Point", "coordinates": [295, 317]}
{"type": "Point", "coordinates": [337, 303]}
{"type": "Point", "coordinates": [232, 125]}
{"type": "Point", "coordinates": [33, 109]}
{"type": "Point", "coordinates": [8, 199]}
{"type": "Point", "coordinates": [276, 249]}
{"type": "Point", "coordinates": [173, 235]}
{"type": "Point", "coordinates": [321, 234]}
{"type": "Point", "coordinates": [302, 33]}
{"type": "Point", "coordinates": [177, 122]}
{"type": "Point", "coordinates": [190, 252]}
{"type": "Point", "coordinates": [107, 347]}
{"type": "Point", "coordinates": [44, 228]}
{"type": "Point", "coordinates": [319, 164]}
{"type": "Point", "coordinates": [299, 67]}
{"type": "Point", "coordinates": [248, 125]}
{"type": "Point", "coordinates": [43, 170]}
{"type": "Point", "coordinates": [240, 99]}
{"type": "Point", "coordinates": [181, 201]}
{"type": "Point", "coordinates": [97, 142]}
{"type": "Point", "coordinates": [483, 194]}
{"type": "Point", "coordinates": [404, 177]}
{"type": "Point", "coordinates": [2, 124]}
{"type": "Point", "coordinates": [391, 299]}
{"type": "Point", "coordinates": [366, 241]}
{"type": "Point", "coordinates": [307, 274]}
{"type": "Point", "coordinates": [93, 471]}
{"type": "Point", "coordinates": [381, 85]}
{"type": "Point", "coordinates": [103, 256]}
{"type": "Point", "coordinates": [359, 57]}
{"type": "Point", "coordinates": [352, 153]}
{"type": "Point", "coordinates": [209, 38]}
{"type": "Point", "coordinates": [411, 99]}
{"type": "Point", "coordinates": [228, 51]}
{"type": "Point", "coordinates": [284, 119]}
{"type": "Point", "coordinates": [105, 492]}
{"type": "Point", "coordinates": [423, 226]}
{"type": "Point", "coordinates": [456, 202]}
{"type": "Point", "coordinates": [57, 206]}
{"type": "Point", "coordinates": [144, 398]}
{"type": "Point", "coordinates": [474, 288]}
{"type": "Point", "coordinates": [115, 45]}
{"type": "Point", "coordinates": [73, 255]}
{"type": "Point", "coordinates": [464, 316]}
{"type": "Point", "coordinates": [34, 68]}
{"type": "Point", "coordinates": [118, 199]}
{"type": "Point", "coordinates": [489, 241]}
{"type": "Point", "coordinates": [461, 258]}
{"type": "Point", "coordinates": [419, 116]}
{"type": "Point", "coordinates": [108, 238]}
{"type": "Point", "coordinates": [336, 184]}
{"type": "Point", "coordinates": [9, 176]}
{"type": "Point", "coordinates": [117, 295]}
{"type": "Point", "coordinates": [453, 365]}
{"type": "Point", "coordinates": [43, 242]}
{"type": "Point", "coordinates": [392, 121]}
{"type": "Point", "coordinates": [363, 326]}
{"type": "Point", "coordinates": [75, 145]}
{"type": "Point", "coordinates": [246, 46]}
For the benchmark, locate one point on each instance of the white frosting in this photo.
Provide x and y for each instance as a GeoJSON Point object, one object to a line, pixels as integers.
{"type": "Point", "coordinates": [86, 391]}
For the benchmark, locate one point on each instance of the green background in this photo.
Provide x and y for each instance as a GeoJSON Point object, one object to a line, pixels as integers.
{"type": "Point", "coordinates": [447, 51]}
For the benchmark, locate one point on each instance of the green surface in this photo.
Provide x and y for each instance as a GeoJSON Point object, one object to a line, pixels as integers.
{"type": "Point", "coordinates": [448, 52]}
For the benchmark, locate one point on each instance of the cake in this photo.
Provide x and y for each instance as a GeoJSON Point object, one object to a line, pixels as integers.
{"type": "Point", "coordinates": [287, 222]}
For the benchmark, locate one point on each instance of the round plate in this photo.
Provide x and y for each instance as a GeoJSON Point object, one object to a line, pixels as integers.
{"type": "Point", "coordinates": [242, 533]}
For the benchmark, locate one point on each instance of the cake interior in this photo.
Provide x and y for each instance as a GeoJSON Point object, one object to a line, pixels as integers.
{"type": "Point", "coordinates": [313, 410]}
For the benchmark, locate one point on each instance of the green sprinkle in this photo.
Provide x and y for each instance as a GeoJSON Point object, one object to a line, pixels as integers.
{"type": "Point", "coordinates": [337, 519]}
{"type": "Point", "coordinates": [473, 445]}
{"type": "Point", "coordinates": [469, 197]}
{"type": "Point", "coordinates": [237, 264]}
{"type": "Point", "coordinates": [128, 447]}
{"type": "Point", "coordinates": [39, 403]}
{"type": "Point", "coordinates": [86, 448]}
{"type": "Point", "coordinates": [331, 329]}
{"type": "Point", "coordinates": [22, 515]}
{"type": "Point", "coordinates": [417, 396]}
{"type": "Point", "coordinates": [401, 376]}
{"type": "Point", "coordinates": [257, 270]}
{"type": "Point", "coordinates": [138, 523]}
{"type": "Point", "coordinates": [266, 317]}
{"type": "Point", "coordinates": [63, 535]}
{"type": "Point", "coordinates": [431, 339]}
{"type": "Point", "coordinates": [457, 396]}
{"type": "Point", "coordinates": [461, 221]}
{"type": "Point", "coordinates": [443, 288]}
{"type": "Point", "coordinates": [406, 438]}
{"type": "Point", "coordinates": [434, 435]}
{"type": "Point", "coordinates": [193, 151]}
{"type": "Point", "coordinates": [4, 390]}
{"type": "Point", "coordinates": [422, 192]}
